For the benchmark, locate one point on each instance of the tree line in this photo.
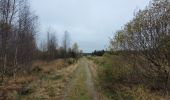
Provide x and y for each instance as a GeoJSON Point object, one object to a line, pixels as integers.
{"type": "Point", "coordinates": [147, 38]}
{"type": "Point", "coordinates": [98, 52]}
{"type": "Point", "coordinates": [18, 39]}
{"type": "Point", "coordinates": [50, 49]}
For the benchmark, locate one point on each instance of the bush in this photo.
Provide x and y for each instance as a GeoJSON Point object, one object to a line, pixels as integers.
{"type": "Point", "coordinates": [71, 61]}
{"type": "Point", "coordinates": [113, 72]}
{"type": "Point", "coordinates": [121, 79]}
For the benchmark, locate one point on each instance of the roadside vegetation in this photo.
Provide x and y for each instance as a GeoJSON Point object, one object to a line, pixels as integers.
{"type": "Point", "coordinates": [137, 67]}
{"type": "Point", "coordinates": [26, 64]}
{"type": "Point", "coordinates": [46, 81]}
{"type": "Point", "coordinates": [119, 80]}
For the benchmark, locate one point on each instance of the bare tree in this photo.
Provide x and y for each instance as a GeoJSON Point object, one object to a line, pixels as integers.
{"type": "Point", "coordinates": [8, 11]}
{"type": "Point", "coordinates": [75, 48]}
{"type": "Point", "coordinates": [26, 43]}
{"type": "Point", "coordinates": [17, 35]}
{"type": "Point", "coordinates": [66, 42]}
{"type": "Point", "coordinates": [52, 44]}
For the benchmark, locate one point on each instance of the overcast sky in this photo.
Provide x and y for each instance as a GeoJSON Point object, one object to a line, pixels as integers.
{"type": "Point", "coordinates": [90, 23]}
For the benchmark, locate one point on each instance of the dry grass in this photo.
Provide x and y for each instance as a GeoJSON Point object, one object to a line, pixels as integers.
{"type": "Point", "coordinates": [52, 81]}
{"type": "Point", "coordinates": [22, 79]}
{"type": "Point", "coordinates": [141, 93]}
{"type": "Point", "coordinates": [47, 81]}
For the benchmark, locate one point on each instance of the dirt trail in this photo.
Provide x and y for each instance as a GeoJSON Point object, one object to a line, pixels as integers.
{"type": "Point", "coordinates": [89, 82]}
{"type": "Point", "coordinates": [81, 86]}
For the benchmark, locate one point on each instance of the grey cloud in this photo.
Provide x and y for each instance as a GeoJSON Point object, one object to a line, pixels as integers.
{"type": "Point", "coordinates": [89, 22]}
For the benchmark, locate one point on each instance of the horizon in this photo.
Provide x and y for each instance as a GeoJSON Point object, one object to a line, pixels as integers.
{"type": "Point", "coordinates": [90, 23]}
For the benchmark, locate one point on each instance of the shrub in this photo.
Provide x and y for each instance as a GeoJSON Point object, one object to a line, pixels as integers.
{"type": "Point", "coordinates": [113, 72]}
{"type": "Point", "coordinates": [71, 61]}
